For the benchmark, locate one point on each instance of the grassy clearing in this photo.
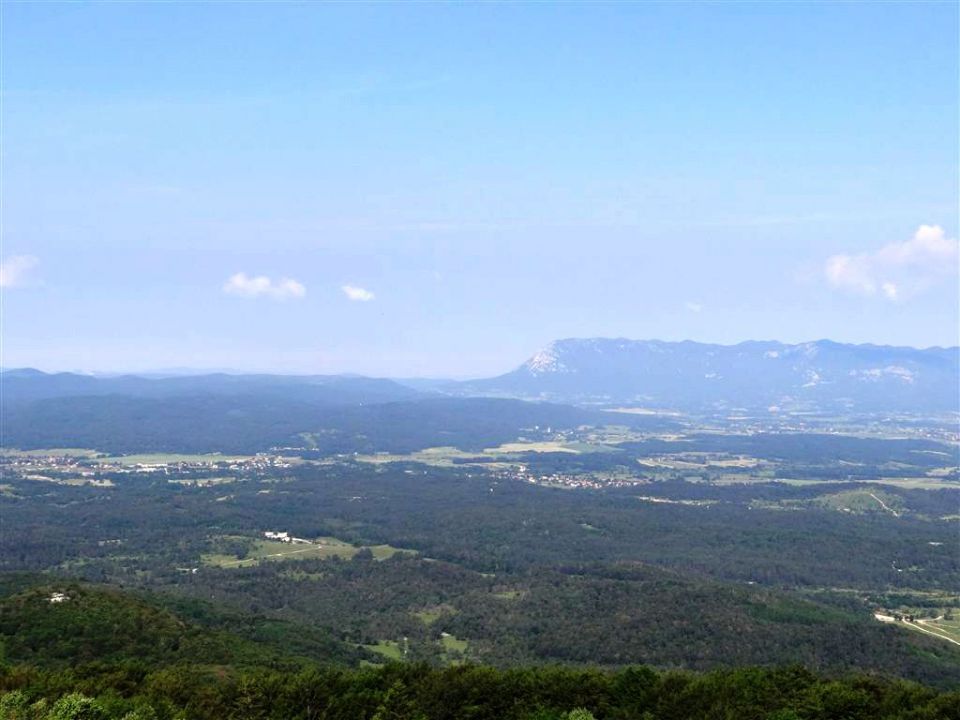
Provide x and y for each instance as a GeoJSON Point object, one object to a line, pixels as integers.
{"type": "Point", "coordinates": [383, 552]}
{"type": "Point", "coordinates": [948, 628]}
{"type": "Point", "coordinates": [319, 549]}
{"type": "Point", "coordinates": [452, 645]}
{"type": "Point", "coordinates": [699, 461]}
{"type": "Point", "coordinates": [862, 501]}
{"type": "Point", "coordinates": [275, 550]}
{"type": "Point", "coordinates": [450, 456]}
{"type": "Point", "coordinates": [508, 595]}
{"type": "Point", "coordinates": [226, 561]}
{"type": "Point", "coordinates": [301, 576]}
{"type": "Point", "coordinates": [549, 446]}
{"type": "Point", "coordinates": [390, 649]}
{"type": "Point", "coordinates": [428, 616]}
{"type": "Point", "coordinates": [436, 456]}
{"type": "Point", "coordinates": [738, 479]}
{"type": "Point", "coordinates": [856, 502]}
{"type": "Point", "coordinates": [670, 464]}
{"type": "Point", "coordinates": [737, 462]}
{"type": "Point", "coordinates": [930, 628]}
{"type": "Point", "coordinates": [611, 435]}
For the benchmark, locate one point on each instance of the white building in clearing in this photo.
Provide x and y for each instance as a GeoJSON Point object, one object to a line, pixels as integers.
{"type": "Point", "coordinates": [281, 536]}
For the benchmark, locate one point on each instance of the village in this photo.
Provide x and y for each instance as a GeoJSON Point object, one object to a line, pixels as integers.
{"type": "Point", "coordinates": [88, 466]}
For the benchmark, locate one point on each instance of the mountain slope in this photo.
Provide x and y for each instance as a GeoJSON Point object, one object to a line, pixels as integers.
{"type": "Point", "coordinates": [752, 375]}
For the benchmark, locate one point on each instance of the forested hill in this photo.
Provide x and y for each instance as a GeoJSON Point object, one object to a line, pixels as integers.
{"type": "Point", "coordinates": [62, 623]}
{"type": "Point", "coordinates": [100, 654]}
{"type": "Point", "coordinates": [258, 422]}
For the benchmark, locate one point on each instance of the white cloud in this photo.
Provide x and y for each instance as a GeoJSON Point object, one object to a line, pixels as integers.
{"type": "Point", "coordinates": [262, 286]}
{"type": "Point", "coordinates": [693, 306]}
{"type": "Point", "coordinates": [900, 269]}
{"type": "Point", "coordinates": [14, 269]}
{"type": "Point", "coordinates": [357, 294]}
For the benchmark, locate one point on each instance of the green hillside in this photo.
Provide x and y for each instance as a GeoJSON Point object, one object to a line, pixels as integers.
{"type": "Point", "coordinates": [68, 624]}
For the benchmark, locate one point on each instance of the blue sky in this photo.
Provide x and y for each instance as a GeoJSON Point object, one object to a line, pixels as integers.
{"type": "Point", "coordinates": [428, 189]}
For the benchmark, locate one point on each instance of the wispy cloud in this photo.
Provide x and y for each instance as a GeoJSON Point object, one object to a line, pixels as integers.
{"type": "Point", "coordinates": [262, 286]}
{"type": "Point", "coordinates": [14, 271]}
{"type": "Point", "coordinates": [357, 294]}
{"type": "Point", "coordinates": [694, 307]}
{"type": "Point", "coordinates": [897, 270]}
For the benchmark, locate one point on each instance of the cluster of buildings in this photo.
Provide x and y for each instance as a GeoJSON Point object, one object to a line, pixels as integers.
{"type": "Point", "coordinates": [522, 473]}
{"type": "Point", "coordinates": [87, 466]}
{"type": "Point", "coordinates": [285, 537]}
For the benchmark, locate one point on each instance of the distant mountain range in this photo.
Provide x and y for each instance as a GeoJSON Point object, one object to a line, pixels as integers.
{"type": "Point", "coordinates": [251, 413]}
{"type": "Point", "coordinates": [688, 377]}
{"type": "Point", "coordinates": [25, 385]}
{"type": "Point", "coordinates": [691, 376]}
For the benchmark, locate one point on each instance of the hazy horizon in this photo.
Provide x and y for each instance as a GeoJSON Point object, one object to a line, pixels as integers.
{"type": "Point", "coordinates": [172, 371]}
{"type": "Point", "coordinates": [433, 190]}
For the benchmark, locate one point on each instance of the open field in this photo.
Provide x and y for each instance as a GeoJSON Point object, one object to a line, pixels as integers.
{"type": "Point", "coordinates": [429, 616]}
{"type": "Point", "coordinates": [446, 456]}
{"type": "Point", "coordinates": [668, 501]}
{"type": "Point", "coordinates": [451, 643]}
{"type": "Point", "coordinates": [538, 447]}
{"type": "Point", "coordinates": [204, 482]}
{"type": "Point", "coordinates": [390, 649]}
{"type": "Point", "coordinates": [51, 452]}
{"type": "Point", "coordinates": [436, 456]}
{"type": "Point", "coordinates": [643, 411]}
{"type": "Point", "coordinates": [699, 461]}
{"type": "Point", "coordinates": [931, 627]}
{"type": "Point", "coordinates": [919, 483]}
{"type": "Point", "coordinates": [318, 549]}
{"type": "Point", "coordinates": [610, 435]}
{"type": "Point", "coordinates": [454, 648]}
{"type": "Point", "coordinates": [73, 481]}
{"type": "Point", "coordinates": [172, 458]}
{"type": "Point", "coordinates": [948, 628]}
{"type": "Point", "coordinates": [861, 501]}
{"type": "Point", "coordinates": [663, 464]}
